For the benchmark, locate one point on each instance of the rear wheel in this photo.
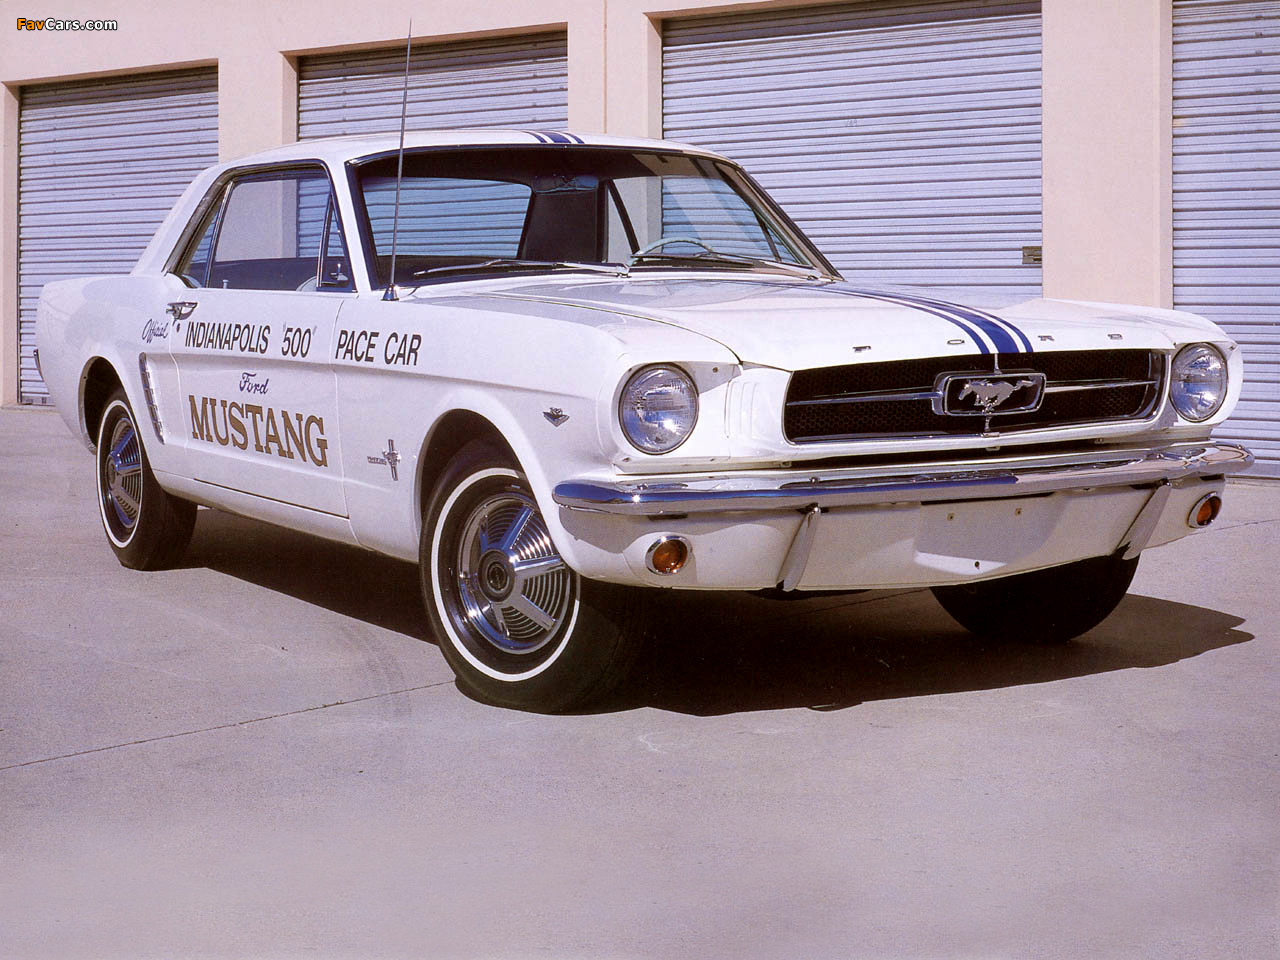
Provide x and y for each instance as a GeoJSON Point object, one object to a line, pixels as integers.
{"type": "Point", "coordinates": [147, 528]}
{"type": "Point", "coordinates": [1045, 606]}
{"type": "Point", "coordinates": [518, 626]}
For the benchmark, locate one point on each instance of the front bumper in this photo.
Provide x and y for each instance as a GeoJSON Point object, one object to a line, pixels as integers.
{"type": "Point", "coordinates": [847, 487]}
{"type": "Point", "coordinates": [886, 526]}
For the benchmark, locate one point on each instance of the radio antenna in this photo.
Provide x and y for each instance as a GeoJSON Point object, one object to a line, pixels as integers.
{"type": "Point", "coordinates": [390, 292]}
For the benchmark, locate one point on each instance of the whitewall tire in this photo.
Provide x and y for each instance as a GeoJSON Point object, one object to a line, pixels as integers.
{"type": "Point", "coordinates": [518, 626]}
{"type": "Point", "coordinates": [146, 527]}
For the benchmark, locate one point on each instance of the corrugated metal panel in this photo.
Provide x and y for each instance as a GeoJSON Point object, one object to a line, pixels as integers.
{"type": "Point", "coordinates": [1226, 194]}
{"type": "Point", "coordinates": [99, 165]}
{"type": "Point", "coordinates": [904, 137]}
{"type": "Point", "coordinates": [508, 82]}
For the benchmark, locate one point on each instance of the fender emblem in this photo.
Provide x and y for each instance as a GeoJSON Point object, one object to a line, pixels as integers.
{"type": "Point", "coordinates": [390, 457]}
{"type": "Point", "coordinates": [555, 416]}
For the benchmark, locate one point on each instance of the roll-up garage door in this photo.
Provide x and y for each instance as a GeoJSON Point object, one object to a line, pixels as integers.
{"type": "Point", "coordinates": [904, 137]}
{"type": "Point", "coordinates": [508, 82]}
{"type": "Point", "coordinates": [99, 165]}
{"type": "Point", "coordinates": [1226, 195]}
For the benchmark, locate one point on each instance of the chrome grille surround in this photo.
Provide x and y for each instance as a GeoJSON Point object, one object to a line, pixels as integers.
{"type": "Point", "coordinates": [917, 398]}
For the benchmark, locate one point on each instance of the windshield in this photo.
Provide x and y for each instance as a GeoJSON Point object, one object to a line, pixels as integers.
{"type": "Point", "coordinates": [517, 208]}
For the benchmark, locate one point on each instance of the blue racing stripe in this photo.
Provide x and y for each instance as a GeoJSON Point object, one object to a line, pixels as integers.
{"type": "Point", "coordinates": [925, 307]}
{"type": "Point", "coordinates": [1026, 341]}
{"type": "Point", "coordinates": [556, 137]}
{"type": "Point", "coordinates": [984, 319]}
{"type": "Point", "coordinates": [1000, 337]}
{"type": "Point", "coordinates": [540, 137]}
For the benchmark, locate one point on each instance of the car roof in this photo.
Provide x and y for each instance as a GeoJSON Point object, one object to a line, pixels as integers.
{"type": "Point", "coordinates": [339, 150]}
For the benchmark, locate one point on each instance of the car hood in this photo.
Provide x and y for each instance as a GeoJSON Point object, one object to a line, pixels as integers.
{"type": "Point", "coordinates": [797, 324]}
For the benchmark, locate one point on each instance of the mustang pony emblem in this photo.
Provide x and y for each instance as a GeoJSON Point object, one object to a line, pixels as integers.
{"type": "Point", "coordinates": [989, 394]}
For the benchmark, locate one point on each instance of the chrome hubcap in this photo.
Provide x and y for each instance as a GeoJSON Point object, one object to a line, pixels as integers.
{"type": "Point", "coordinates": [497, 575]}
{"type": "Point", "coordinates": [515, 589]}
{"type": "Point", "coordinates": [122, 476]}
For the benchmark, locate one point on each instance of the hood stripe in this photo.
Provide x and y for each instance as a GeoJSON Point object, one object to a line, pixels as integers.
{"type": "Point", "coordinates": [926, 307]}
{"type": "Point", "coordinates": [998, 335]}
{"type": "Point", "coordinates": [996, 329]}
{"type": "Point", "coordinates": [978, 316]}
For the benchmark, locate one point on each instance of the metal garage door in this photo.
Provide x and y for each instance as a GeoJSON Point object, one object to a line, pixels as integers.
{"type": "Point", "coordinates": [512, 82]}
{"type": "Point", "coordinates": [99, 165]}
{"type": "Point", "coordinates": [903, 136]}
{"type": "Point", "coordinates": [1226, 194]}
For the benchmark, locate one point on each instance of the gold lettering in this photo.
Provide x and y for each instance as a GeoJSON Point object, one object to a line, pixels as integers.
{"type": "Point", "coordinates": [273, 433]}
{"type": "Point", "coordinates": [292, 436]}
{"type": "Point", "coordinates": [200, 419]}
{"type": "Point", "coordinates": [224, 437]}
{"type": "Point", "coordinates": [317, 447]}
{"type": "Point", "coordinates": [235, 412]}
{"type": "Point", "coordinates": [255, 411]}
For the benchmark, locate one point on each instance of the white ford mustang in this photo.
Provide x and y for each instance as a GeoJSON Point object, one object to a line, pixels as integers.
{"type": "Point", "coordinates": [553, 369]}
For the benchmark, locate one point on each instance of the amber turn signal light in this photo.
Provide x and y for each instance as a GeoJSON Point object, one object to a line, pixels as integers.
{"type": "Point", "coordinates": [1205, 511]}
{"type": "Point", "coordinates": [667, 555]}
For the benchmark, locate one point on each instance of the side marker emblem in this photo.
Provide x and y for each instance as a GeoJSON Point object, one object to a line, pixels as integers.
{"type": "Point", "coordinates": [390, 457]}
{"type": "Point", "coordinates": [555, 416]}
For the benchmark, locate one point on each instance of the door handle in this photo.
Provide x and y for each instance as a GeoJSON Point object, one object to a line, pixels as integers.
{"type": "Point", "coordinates": [181, 309]}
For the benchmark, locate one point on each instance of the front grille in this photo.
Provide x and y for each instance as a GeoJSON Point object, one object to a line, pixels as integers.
{"type": "Point", "coordinates": [901, 398]}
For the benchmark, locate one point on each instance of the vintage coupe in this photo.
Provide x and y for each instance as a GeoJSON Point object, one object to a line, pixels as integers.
{"type": "Point", "coordinates": [552, 369]}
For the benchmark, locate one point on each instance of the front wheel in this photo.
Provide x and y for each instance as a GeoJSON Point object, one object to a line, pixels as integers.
{"type": "Point", "coordinates": [518, 626]}
{"type": "Point", "coordinates": [1045, 606]}
{"type": "Point", "coordinates": [147, 528]}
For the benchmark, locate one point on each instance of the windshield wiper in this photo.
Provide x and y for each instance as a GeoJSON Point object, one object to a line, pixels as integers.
{"type": "Point", "coordinates": [514, 263]}
{"type": "Point", "coordinates": [794, 269]}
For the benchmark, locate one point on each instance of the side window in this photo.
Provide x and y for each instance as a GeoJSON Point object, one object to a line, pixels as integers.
{"type": "Point", "coordinates": [334, 268]}
{"type": "Point", "coordinates": [276, 231]}
{"type": "Point", "coordinates": [194, 267]}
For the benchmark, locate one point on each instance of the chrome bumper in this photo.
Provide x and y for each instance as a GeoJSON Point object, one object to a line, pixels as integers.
{"type": "Point", "coordinates": [851, 486]}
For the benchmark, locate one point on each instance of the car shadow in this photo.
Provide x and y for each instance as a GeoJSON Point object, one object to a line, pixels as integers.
{"type": "Point", "coordinates": [347, 580]}
{"type": "Point", "coordinates": [717, 653]}
{"type": "Point", "coordinates": [727, 654]}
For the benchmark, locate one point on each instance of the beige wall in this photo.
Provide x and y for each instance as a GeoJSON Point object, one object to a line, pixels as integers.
{"type": "Point", "coordinates": [1108, 150]}
{"type": "Point", "coordinates": [1107, 86]}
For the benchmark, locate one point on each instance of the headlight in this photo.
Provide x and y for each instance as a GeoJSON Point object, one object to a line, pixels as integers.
{"type": "Point", "coordinates": [1199, 381]}
{"type": "Point", "coordinates": [658, 408]}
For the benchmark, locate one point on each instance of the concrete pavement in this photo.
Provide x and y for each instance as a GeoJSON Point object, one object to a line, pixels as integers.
{"type": "Point", "coordinates": [262, 755]}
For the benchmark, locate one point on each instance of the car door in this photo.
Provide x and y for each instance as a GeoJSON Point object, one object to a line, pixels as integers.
{"type": "Point", "coordinates": [266, 275]}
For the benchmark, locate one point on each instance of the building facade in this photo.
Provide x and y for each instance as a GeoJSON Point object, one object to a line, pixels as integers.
{"type": "Point", "coordinates": [1103, 150]}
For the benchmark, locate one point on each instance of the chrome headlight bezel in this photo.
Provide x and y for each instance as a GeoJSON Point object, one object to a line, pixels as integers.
{"type": "Point", "coordinates": [643, 423]}
{"type": "Point", "coordinates": [1198, 381]}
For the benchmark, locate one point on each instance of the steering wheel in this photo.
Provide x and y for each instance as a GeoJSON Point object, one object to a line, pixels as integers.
{"type": "Point", "coordinates": [662, 242]}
